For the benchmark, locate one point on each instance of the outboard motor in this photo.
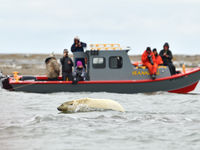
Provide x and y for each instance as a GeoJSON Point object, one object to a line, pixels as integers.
{"type": "Point", "coordinates": [4, 82]}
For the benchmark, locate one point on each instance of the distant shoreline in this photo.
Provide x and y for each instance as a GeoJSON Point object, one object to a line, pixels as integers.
{"type": "Point", "coordinates": [71, 54]}
{"type": "Point", "coordinates": [33, 64]}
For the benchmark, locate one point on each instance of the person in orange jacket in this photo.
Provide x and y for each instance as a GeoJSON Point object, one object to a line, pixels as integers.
{"type": "Point", "coordinates": [158, 58]}
{"type": "Point", "coordinates": [148, 60]}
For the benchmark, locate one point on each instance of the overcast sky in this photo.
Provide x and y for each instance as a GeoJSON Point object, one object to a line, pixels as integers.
{"type": "Point", "coordinates": [43, 26]}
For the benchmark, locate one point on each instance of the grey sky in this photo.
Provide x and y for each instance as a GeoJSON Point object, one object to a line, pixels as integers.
{"type": "Point", "coordinates": [43, 26]}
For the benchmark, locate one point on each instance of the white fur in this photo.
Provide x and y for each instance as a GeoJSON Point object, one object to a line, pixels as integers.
{"type": "Point", "coordinates": [88, 104]}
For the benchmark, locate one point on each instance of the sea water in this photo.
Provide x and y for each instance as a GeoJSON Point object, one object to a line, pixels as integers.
{"type": "Point", "coordinates": [153, 121]}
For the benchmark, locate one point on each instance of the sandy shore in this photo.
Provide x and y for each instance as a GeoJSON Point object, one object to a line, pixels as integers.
{"type": "Point", "coordinates": [33, 64]}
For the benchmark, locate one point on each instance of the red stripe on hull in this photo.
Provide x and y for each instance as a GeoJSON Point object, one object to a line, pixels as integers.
{"type": "Point", "coordinates": [185, 90]}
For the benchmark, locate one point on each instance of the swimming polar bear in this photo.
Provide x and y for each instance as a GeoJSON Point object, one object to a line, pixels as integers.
{"type": "Point", "coordinates": [88, 104]}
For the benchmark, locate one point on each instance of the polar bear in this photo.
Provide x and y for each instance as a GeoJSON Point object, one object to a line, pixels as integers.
{"type": "Point", "coordinates": [89, 104]}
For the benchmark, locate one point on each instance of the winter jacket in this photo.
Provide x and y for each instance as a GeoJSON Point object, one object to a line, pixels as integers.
{"type": "Point", "coordinates": [145, 58]}
{"type": "Point", "coordinates": [66, 67]}
{"type": "Point", "coordinates": [80, 73]}
{"type": "Point", "coordinates": [165, 59]}
{"type": "Point", "coordinates": [159, 60]}
{"type": "Point", "coordinates": [52, 67]}
{"type": "Point", "coordinates": [78, 49]}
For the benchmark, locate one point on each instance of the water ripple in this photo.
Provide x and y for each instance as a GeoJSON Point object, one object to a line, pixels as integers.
{"type": "Point", "coordinates": [151, 121]}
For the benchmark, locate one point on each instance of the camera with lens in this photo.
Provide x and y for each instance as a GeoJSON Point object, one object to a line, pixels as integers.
{"type": "Point", "coordinates": [150, 59]}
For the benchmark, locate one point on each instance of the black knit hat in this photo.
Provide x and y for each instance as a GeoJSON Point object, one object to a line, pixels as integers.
{"type": "Point", "coordinates": [154, 50]}
{"type": "Point", "coordinates": [148, 49]}
{"type": "Point", "coordinates": [166, 45]}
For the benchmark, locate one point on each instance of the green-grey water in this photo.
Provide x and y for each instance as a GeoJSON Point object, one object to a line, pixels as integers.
{"type": "Point", "coordinates": [153, 121]}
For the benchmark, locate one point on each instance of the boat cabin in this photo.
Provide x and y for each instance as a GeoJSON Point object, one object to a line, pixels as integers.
{"type": "Point", "coordinates": [113, 63]}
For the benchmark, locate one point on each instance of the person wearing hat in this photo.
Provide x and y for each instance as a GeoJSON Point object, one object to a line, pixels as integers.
{"type": "Point", "coordinates": [79, 73]}
{"type": "Point", "coordinates": [67, 64]}
{"type": "Point", "coordinates": [78, 46]}
{"type": "Point", "coordinates": [148, 60]}
{"type": "Point", "coordinates": [158, 59]}
{"type": "Point", "coordinates": [167, 57]}
{"type": "Point", "coordinates": [52, 68]}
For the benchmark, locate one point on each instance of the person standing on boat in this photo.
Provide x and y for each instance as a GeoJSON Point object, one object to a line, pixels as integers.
{"type": "Point", "coordinates": [78, 46]}
{"type": "Point", "coordinates": [67, 64]}
{"type": "Point", "coordinates": [148, 60]}
{"type": "Point", "coordinates": [159, 60]}
{"type": "Point", "coordinates": [167, 57]}
{"type": "Point", "coordinates": [52, 68]}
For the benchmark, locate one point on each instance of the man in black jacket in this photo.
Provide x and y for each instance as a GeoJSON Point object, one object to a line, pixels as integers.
{"type": "Point", "coordinates": [78, 46]}
{"type": "Point", "coordinates": [67, 64]}
{"type": "Point", "coordinates": [167, 57]}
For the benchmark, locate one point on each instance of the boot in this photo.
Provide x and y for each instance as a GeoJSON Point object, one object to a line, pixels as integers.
{"type": "Point", "coordinates": [153, 77]}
